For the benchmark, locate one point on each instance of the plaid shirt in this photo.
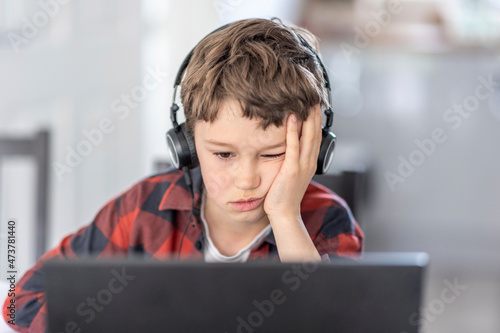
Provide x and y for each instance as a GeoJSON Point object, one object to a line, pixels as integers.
{"type": "Point", "coordinates": [149, 219]}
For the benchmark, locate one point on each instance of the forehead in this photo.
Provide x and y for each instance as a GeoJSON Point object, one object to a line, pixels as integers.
{"type": "Point", "coordinates": [231, 126]}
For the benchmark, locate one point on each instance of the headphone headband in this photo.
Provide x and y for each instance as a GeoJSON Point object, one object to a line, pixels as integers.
{"type": "Point", "coordinates": [187, 59]}
{"type": "Point", "coordinates": [181, 144]}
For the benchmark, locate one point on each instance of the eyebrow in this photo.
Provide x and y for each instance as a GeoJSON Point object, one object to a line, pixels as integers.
{"type": "Point", "coordinates": [281, 144]}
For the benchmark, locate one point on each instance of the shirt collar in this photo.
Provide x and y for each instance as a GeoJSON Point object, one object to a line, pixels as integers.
{"type": "Point", "coordinates": [177, 196]}
{"type": "Point", "coordinates": [270, 238]}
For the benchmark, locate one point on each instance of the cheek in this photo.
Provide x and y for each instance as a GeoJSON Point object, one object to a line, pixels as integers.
{"type": "Point", "coordinates": [215, 178]}
{"type": "Point", "coordinates": [271, 171]}
{"type": "Point", "coordinates": [217, 183]}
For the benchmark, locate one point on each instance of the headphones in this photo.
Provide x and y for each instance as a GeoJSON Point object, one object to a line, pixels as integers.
{"type": "Point", "coordinates": [180, 142]}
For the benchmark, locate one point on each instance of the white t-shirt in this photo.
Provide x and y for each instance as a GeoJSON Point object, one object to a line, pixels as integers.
{"type": "Point", "coordinates": [212, 254]}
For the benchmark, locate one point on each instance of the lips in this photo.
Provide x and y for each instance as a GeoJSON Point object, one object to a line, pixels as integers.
{"type": "Point", "coordinates": [246, 205]}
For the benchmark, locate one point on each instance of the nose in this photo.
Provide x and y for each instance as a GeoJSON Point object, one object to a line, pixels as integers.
{"type": "Point", "coordinates": [247, 176]}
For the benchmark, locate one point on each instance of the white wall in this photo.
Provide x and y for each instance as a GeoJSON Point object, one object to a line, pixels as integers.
{"type": "Point", "coordinates": [65, 78]}
{"type": "Point", "coordinates": [448, 206]}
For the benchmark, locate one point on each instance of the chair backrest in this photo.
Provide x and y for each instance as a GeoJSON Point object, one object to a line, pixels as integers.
{"type": "Point", "coordinates": [36, 147]}
{"type": "Point", "coordinates": [350, 186]}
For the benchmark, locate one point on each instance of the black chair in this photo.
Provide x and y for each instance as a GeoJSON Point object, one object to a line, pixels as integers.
{"type": "Point", "coordinates": [36, 147]}
{"type": "Point", "coordinates": [350, 186]}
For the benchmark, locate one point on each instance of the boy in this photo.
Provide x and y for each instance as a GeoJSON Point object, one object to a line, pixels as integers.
{"type": "Point", "coordinates": [252, 96]}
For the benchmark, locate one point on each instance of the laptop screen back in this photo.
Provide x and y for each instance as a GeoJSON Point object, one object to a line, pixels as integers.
{"type": "Point", "coordinates": [380, 293]}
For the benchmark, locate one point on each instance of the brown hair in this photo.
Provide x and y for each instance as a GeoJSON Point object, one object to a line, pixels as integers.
{"type": "Point", "coordinates": [260, 63]}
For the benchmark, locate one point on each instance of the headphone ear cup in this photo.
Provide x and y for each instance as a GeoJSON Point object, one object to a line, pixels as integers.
{"type": "Point", "coordinates": [191, 147]}
{"type": "Point", "coordinates": [181, 148]}
{"type": "Point", "coordinates": [326, 151]}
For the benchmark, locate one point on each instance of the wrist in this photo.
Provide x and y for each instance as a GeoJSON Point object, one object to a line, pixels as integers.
{"type": "Point", "coordinates": [284, 217]}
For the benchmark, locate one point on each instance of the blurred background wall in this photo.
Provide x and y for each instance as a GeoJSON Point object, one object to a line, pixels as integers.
{"type": "Point", "coordinates": [415, 90]}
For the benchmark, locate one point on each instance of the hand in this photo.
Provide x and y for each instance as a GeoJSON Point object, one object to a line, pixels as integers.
{"type": "Point", "coordinates": [288, 188]}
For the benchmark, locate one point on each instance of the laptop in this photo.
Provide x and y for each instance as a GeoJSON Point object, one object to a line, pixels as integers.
{"type": "Point", "coordinates": [379, 293]}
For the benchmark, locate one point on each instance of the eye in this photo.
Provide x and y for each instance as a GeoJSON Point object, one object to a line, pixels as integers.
{"type": "Point", "coordinates": [273, 156]}
{"type": "Point", "coordinates": [223, 156]}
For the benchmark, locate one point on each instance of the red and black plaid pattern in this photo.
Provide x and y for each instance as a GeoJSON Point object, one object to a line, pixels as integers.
{"type": "Point", "coordinates": [149, 218]}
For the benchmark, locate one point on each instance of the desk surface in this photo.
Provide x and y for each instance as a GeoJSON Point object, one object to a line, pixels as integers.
{"type": "Point", "coordinates": [4, 287]}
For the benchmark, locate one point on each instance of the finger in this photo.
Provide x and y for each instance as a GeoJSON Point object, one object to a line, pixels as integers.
{"type": "Point", "coordinates": [317, 133]}
{"type": "Point", "coordinates": [292, 141]}
{"type": "Point", "coordinates": [319, 127]}
{"type": "Point", "coordinates": [311, 135]}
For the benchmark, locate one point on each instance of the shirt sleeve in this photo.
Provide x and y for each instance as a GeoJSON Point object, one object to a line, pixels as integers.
{"type": "Point", "coordinates": [101, 237]}
{"type": "Point", "coordinates": [339, 234]}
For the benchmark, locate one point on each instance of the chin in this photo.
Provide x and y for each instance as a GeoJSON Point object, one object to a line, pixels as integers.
{"type": "Point", "coordinates": [252, 216]}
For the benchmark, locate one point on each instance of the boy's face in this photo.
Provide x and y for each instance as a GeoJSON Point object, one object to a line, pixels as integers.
{"type": "Point", "coordinates": [239, 161]}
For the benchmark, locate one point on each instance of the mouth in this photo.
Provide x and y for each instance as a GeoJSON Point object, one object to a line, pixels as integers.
{"type": "Point", "coordinates": [245, 205]}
